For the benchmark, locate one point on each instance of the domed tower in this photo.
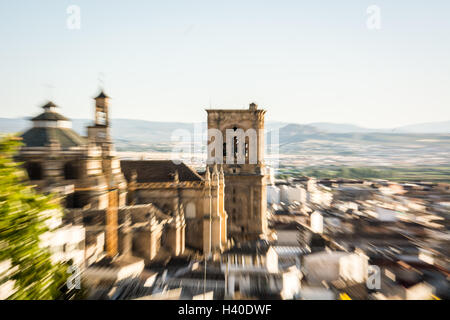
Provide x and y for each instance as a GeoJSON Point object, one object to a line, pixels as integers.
{"type": "Point", "coordinates": [58, 160]}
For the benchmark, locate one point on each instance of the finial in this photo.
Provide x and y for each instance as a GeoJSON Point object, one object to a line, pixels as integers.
{"type": "Point", "coordinates": [207, 174]}
{"type": "Point", "coordinates": [253, 106]}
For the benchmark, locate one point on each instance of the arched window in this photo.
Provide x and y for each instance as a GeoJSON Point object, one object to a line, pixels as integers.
{"type": "Point", "coordinates": [34, 170]}
{"type": "Point", "coordinates": [235, 144]}
{"type": "Point", "coordinates": [246, 148]}
{"type": "Point", "coordinates": [190, 211]}
{"type": "Point", "coordinates": [71, 170]}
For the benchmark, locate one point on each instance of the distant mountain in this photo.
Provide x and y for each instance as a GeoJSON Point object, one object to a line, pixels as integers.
{"type": "Point", "coordinates": [427, 127]}
{"type": "Point", "coordinates": [298, 132]}
{"type": "Point", "coordinates": [127, 131]}
{"type": "Point", "coordinates": [122, 129]}
{"type": "Point", "coordinates": [148, 131]}
{"type": "Point", "coordinates": [8, 125]}
{"type": "Point", "coordinates": [340, 127]}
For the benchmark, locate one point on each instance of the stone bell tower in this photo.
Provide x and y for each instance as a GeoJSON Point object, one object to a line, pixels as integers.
{"type": "Point", "coordinates": [236, 139]}
{"type": "Point", "coordinates": [99, 135]}
{"type": "Point", "coordinates": [100, 131]}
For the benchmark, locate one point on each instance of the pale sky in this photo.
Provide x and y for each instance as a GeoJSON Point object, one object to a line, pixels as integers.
{"type": "Point", "coordinates": [303, 61]}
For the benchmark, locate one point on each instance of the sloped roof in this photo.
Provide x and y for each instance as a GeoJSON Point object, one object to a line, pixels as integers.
{"type": "Point", "coordinates": [49, 116]}
{"type": "Point", "coordinates": [101, 95]}
{"type": "Point", "coordinates": [41, 137]}
{"type": "Point", "coordinates": [157, 171]}
{"type": "Point", "coordinates": [49, 113]}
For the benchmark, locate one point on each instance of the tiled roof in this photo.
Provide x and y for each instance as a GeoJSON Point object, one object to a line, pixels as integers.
{"type": "Point", "coordinates": [157, 171]}
{"type": "Point", "coordinates": [41, 137]}
{"type": "Point", "coordinates": [49, 113]}
{"type": "Point", "coordinates": [49, 116]}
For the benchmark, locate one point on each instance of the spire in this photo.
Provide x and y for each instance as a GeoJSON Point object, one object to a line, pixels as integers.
{"type": "Point", "coordinates": [215, 179]}
{"type": "Point", "coordinates": [221, 174]}
{"type": "Point", "coordinates": [102, 95]}
{"type": "Point", "coordinates": [215, 173]}
{"type": "Point", "coordinates": [176, 177]}
{"type": "Point", "coordinates": [207, 174]}
{"type": "Point", "coordinates": [102, 109]}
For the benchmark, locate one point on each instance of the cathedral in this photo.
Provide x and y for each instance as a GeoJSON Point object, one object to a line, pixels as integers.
{"type": "Point", "coordinates": [150, 209]}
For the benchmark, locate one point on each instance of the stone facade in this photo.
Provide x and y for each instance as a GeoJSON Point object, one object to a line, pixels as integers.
{"type": "Point", "coordinates": [245, 196]}
{"type": "Point", "coordinates": [181, 192]}
{"type": "Point", "coordinates": [147, 209]}
{"type": "Point", "coordinates": [58, 159]}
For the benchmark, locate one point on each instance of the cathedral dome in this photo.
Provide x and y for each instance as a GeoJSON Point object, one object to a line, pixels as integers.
{"type": "Point", "coordinates": [51, 127]}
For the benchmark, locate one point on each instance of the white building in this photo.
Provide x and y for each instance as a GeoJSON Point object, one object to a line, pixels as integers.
{"type": "Point", "coordinates": [316, 220]}
{"type": "Point", "coordinates": [252, 271]}
{"type": "Point", "coordinates": [332, 266]}
{"type": "Point", "coordinates": [320, 196]}
{"type": "Point", "coordinates": [290, 194]}
{"type": "Point", "coordinates": [65, 243]}
{"type": "Point", "coordinates": [273, 195]}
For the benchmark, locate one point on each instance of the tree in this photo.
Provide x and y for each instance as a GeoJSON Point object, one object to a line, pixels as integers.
{"type": "Point", "coordinates": [23, 213]}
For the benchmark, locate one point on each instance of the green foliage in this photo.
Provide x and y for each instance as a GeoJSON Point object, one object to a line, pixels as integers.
{"type": "Point", "coordinates": [349, 173]}
{"type": "Point", "coordinates": [406, 173]}
{"type": "Point", "coordinates": [23, 213]}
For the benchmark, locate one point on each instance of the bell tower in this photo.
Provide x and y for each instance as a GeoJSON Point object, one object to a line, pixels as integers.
{"type": "Point", "coordinates": [100, 131]}
{"type": "Point", "coordinates": [101, 143]}
{"type": "Point", "coordinates": [101, 109]}
{"type": "Point", "coordinates": [236, 140]}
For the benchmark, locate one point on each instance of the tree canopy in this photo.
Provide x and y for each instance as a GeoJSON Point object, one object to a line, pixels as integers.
{"type": "Point", "coordinates": [23, 215]}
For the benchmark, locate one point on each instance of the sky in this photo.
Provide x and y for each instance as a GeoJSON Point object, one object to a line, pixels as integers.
{"type": "Point", "coordinates": [302, 61]}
